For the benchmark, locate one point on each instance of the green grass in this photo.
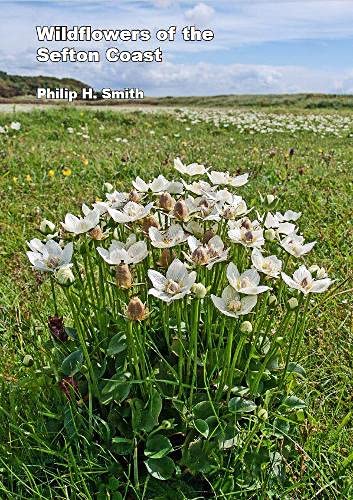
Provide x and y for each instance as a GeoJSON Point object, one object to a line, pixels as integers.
{"type": "Point", "coordinates": [35, 462]}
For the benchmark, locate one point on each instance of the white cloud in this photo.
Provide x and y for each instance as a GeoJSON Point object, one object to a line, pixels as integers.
{"type": "Point", "coordinates": [200, 14]}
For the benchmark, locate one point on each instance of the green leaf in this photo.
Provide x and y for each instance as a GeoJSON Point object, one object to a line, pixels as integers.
{"type": "Point", "coordinates": [117, 344]}
{"type": "Point", "coordinates": [117, 390]}
{"type": "Point", "coordinates": [72, 364]}
{"type": "Point", "coordinates": [123, 446]}
{"type": "Point", "coordinates": [202, 427]}
{"type": "Point", "coordinates": [296, 368]}
{"type": "Point", "coordinates": [239, 405]}
{"type": "Point", "coordinates": [150, 414]}
{"type": "Point", "coordinates": [280, 427]}
{"type": "Point", "coordinates": [160, 468]}
{"type": "Point", "coordinates": [293, 402]}
{"type": "Point", "coordinates": [203, 410]}
{"type": "Point", "coordinates": [158, 446]}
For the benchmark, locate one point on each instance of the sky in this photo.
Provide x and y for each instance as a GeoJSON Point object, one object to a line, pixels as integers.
{"type": "Point", "coordinates": [260, 46]}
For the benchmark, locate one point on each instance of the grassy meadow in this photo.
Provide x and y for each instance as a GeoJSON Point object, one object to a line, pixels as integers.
{"type": "Point", "coordinates": [48, 170]}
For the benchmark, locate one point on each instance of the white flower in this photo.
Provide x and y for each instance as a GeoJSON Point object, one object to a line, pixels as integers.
{"type": "Point", "coordinates": [271, 265]}
{"type": "Point", "coordinates": [247, 282]}
{"type": "Point", "coordinates": [173, 236]}
{"type": "Point", "coordinates": [64, 275]}
{"type": "Point", "coordinates": [130, 213]}
{"type": "Point", "coordinates": [49, 256]}
{"type": "Point", "coordinates": [15, 126]}
{"type": "Point", "coordinates": [128, 253]}
{"type": "Point", "coordinates": [79, 225]}
{"type": "Point", "coordinates": [276, 222]}
{"type": "Point", "coordinates": [218, 178]}
{"type": "Point", "coordinates": [199, 188]}
{"type": "Point", "coordinates": [232, 305]}
{"type": "Point", "coordinates": [2, 130]}
{"type": "Point", "coordinates": [192, 169]}
{"type": "Point", "coordinates": [247, 233]}
{"type": "Point", "coordinates": [302, 280]}
{"type": "Point", "coordinates": [117, 199]}
{"type": "Point", "coordinates": [209, 254]}
{"type": "Point", "coordinates": [156, 186]}
{"type": "Point", "coordinates": [294, 244]}
{"type": "Point", "coordinates": [175, 285]}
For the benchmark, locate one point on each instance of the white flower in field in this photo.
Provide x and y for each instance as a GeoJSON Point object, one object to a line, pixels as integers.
{"type": "Point", "coordinates": [173, 236]}
{"type": "Point", "coordinates": [15, 125]}
{"type": "Point", "coordinates": [117, 199]}
{"type": "Point", "coordinates": [232, 305]}
{"type": "Point", "coordinates": [271, 265]}
{"type": "Point", "coordinates": [157, 185]}
{"type": "Point", "coordinates": [247, 282]}
{"type": "Point", "coordinates": [303, 281]}
{"type": "Point", "coordinates": [247, 233]}
{"type": "Point", "coordinates": [225, 178]}
{"type": "Point", "coordinates": [294, 244]}
{"type": "Point", "coordinates": [131, 252]}
{"type": "Point", "coordinates": [2, 130]}
{"type": "Point", "coordinates": [64, 275]}
{"type": "Point", "coordinates": [288, 216]}
{"type": "Point", "coordinates": [174, 285]}
{"type": "Point", "coordinates": [80, 225]}
{"type": "Point", "coordinates": [276, 222]}
{"type": "Point", "coordinates": [208, 254]}
{"type": "Point", "coordinates": [49, 256]}
{"type": "Point", "coordinates": [199, 188]}
{"type": "Point", "coordinates": [234, 208]}
{"type": "Point", "coordinates": [130, 213]}
{"type": "Point", "coordinates": [192, 169]}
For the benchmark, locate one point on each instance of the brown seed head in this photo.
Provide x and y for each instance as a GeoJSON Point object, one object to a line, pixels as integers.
{"type": "Point", "coordinates": [166, 201]}
{"type": "Point", "coordinates": [96, 233]}
{"type": "Point", "coordinates": [123, 276]}
{"type": "Point", "coordinates": [181, 211]}
{"type": "Point", "coordinates": [136, 310]}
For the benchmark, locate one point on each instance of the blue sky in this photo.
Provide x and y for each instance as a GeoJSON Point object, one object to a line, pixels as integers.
{"type": "Point", "coordinates": [260, 46]}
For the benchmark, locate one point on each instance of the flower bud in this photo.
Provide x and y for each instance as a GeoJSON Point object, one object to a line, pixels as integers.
{"type": "Point", "coordinates": [134, 196]}
{"type": "Point", "coordinates": [64, 275]}
{"type": "Point", "coordinates": [107, 187]}
{"type": "Point", "coordinates": [96, 233]}
{"type": "Point", "coordinates": [321, 273]}
{"type": "Point", "coordinates": [270, 199]}
{"type": "Point", "coordinates": [199, 290]}
{"type": "Point", "coordinates": [313, 269]}
{"type": "Point", "coordinates": [270, 234]}
{"type": "Point", "coordinates": [57, 328]}
{"type": "Point", "coordinates": [262, 414]}
{"type": "Point", "coordinates": [181, 211]}
{"type": "Point", "coordinates": [246, 327]}
{"type": "Point", "coordinates": [27, 360]}
{"type": "Point", "coordinates": [47, 227]}
{"type": "Point", "coordinates": [200, 256]}
{"type": "Point", "coordinates": [209, 234]}
{"type": "Point", "coordinates": [123, 276]}
{"type": "Point", "coordinates": [136, 310]}
{"type": "Point", "coordinates": [166, 259]}
{"type": "Point", "coordinates": [148, 222]}
{"type": "Point", "coordinates": [166, 201]}
{"type": "Point", "coordinates": [272, 300]}
{"type": "Point", "coordinates": [293, 303]}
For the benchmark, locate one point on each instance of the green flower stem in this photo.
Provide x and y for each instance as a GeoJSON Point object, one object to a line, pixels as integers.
{"type": "Point", "coordinates": [272, 351]}
{"type": "Point", "coordinates": [236, 356]}
{"type": "Point", "coordinates": [181, 350]}
{"type": "Point", "coordinates": [226, 362]}
{"type": "Point", "coordinates": [194, 342]}
{"type": "Point", "coordinates": [293, 335]}
{"type": "Point", "coordinates": [52, 284]}
{"type": "Point", "coordinates": [80, 334]}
